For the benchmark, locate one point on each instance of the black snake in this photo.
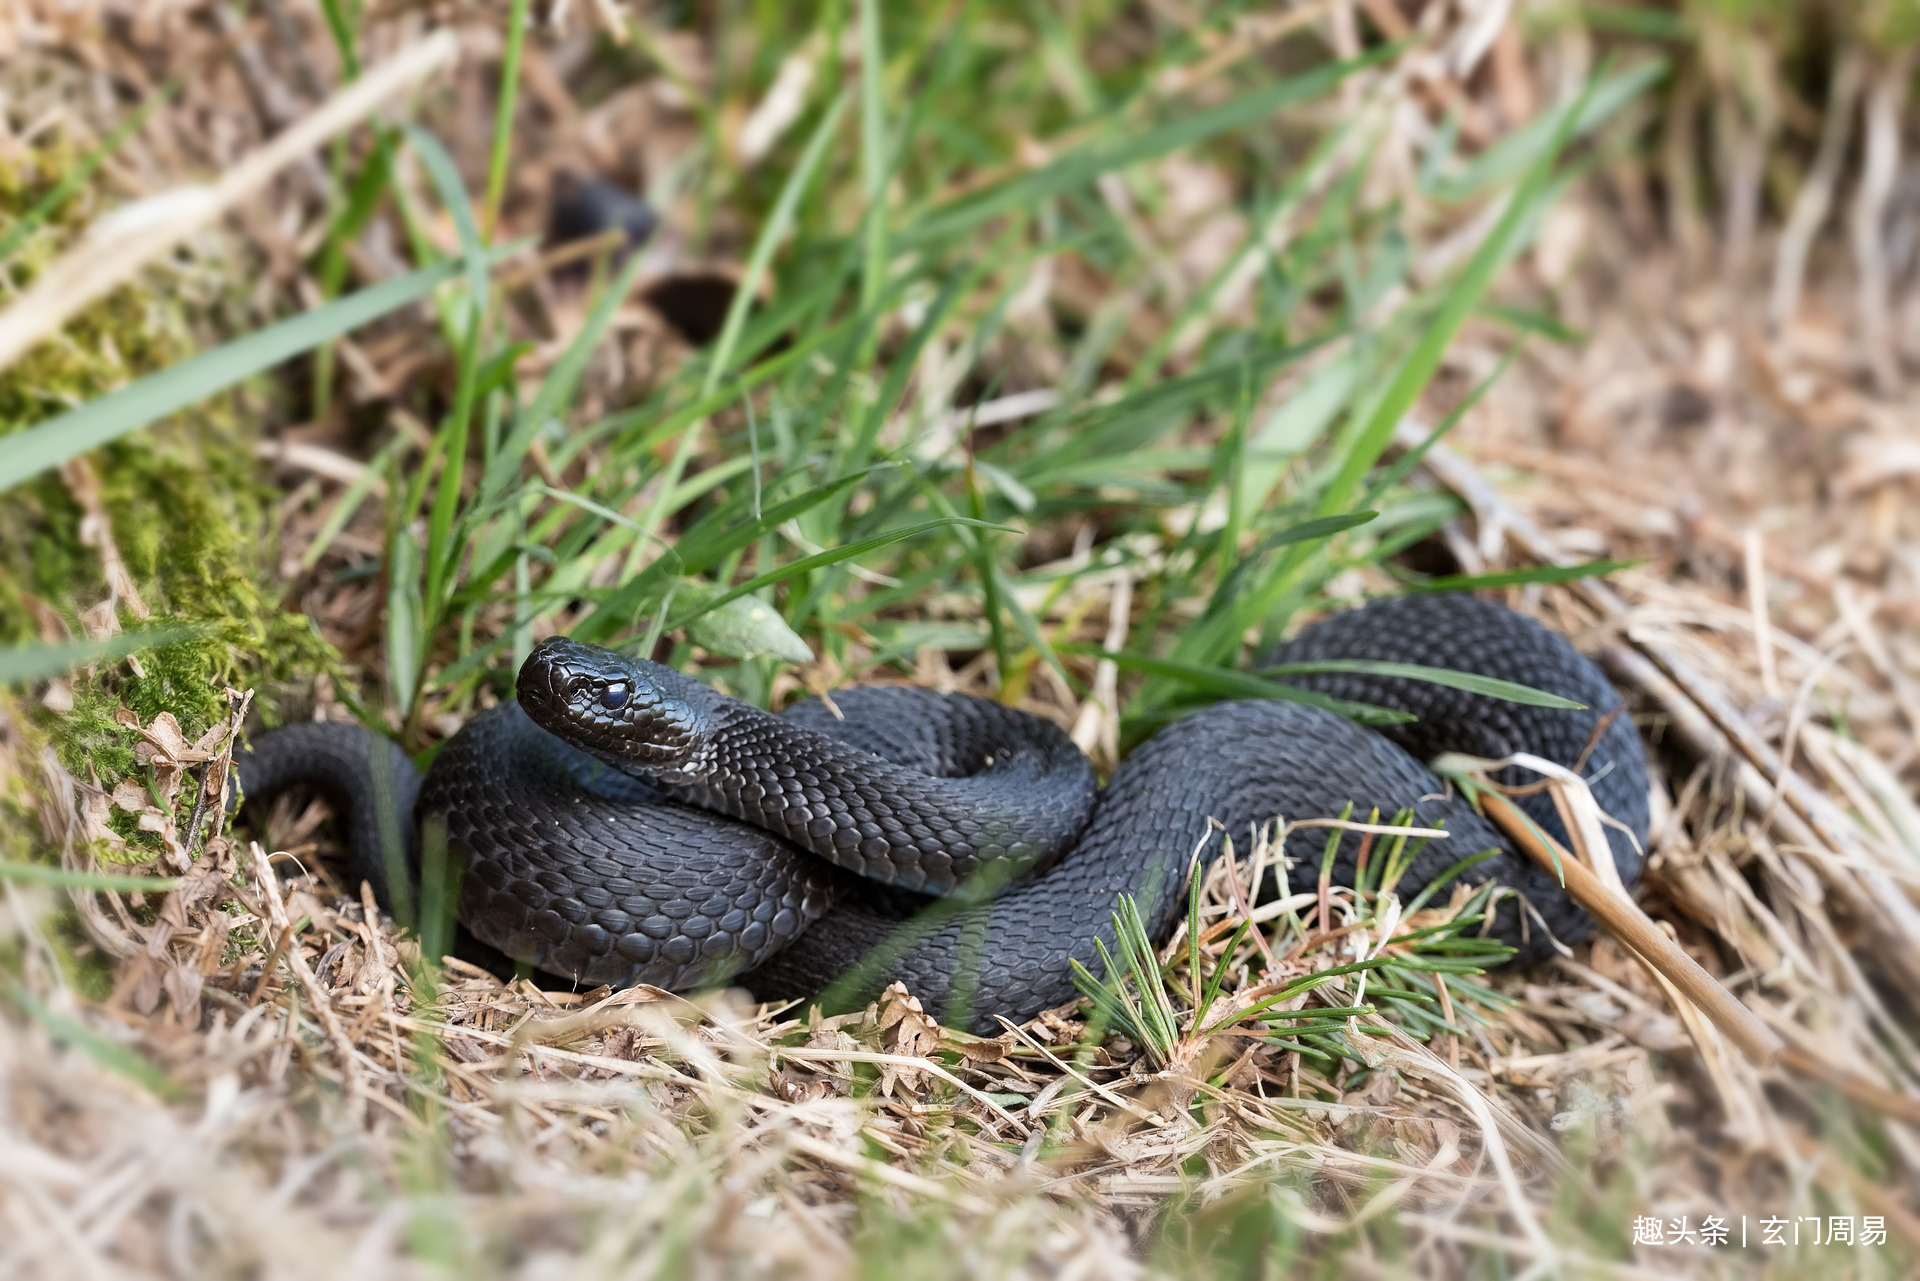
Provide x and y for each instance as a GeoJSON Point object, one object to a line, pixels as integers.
{"type": "Point", "coordinates": [623, 823]}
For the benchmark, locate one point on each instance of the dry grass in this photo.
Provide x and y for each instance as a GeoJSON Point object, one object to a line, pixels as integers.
{"type": "Point", "coordinates": [276, 1086]}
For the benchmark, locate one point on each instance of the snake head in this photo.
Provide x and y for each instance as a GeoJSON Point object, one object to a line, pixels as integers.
{"type": "Point", "coordinates": [634, 714]}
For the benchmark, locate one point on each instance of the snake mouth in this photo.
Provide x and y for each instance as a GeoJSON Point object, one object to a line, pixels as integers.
{"type": "Point", "coordinates": [627, 711]}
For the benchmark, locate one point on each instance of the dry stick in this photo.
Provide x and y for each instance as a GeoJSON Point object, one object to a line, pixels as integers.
{"type": "Point", "coordinates": [1696, 733]}
{"type": "Point", "coordinates": [1850, 1083]}
{"type": "Point", "coordinates": [104, 259]}
{"type": "Point", "coordinates": [1624, 919]}
{"type": "Point", "coordinates": [322, 1002]}
{"type": "Point", "coordinates": [1880, 170]}
{"type": "Point", "coordinates": [1715, 728]}
{"type": "Point", "coordinates": [1756, 561]}
{"type": "Point", "coordinates": [1815, 197]}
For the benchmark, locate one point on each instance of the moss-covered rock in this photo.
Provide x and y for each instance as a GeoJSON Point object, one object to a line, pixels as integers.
{"type": "Point", "coordinates": [184, 507]}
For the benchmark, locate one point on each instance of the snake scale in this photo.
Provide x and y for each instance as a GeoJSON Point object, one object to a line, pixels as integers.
{"type": "Point", "coordinates": [622, 823]}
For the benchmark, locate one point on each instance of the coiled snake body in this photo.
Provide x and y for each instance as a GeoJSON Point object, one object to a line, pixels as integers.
{"type": "Point", "coordinates": [622, 823]}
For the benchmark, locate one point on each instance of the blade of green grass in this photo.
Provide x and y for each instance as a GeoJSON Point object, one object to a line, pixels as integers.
{"type": "Point", "coordinates": [503, 115]}
{"type": "Point", "coordinates": [1459, 302]}
{"type": "Point", "coordinates": [22, 665]}
{"type": "Point", "coordinates": [82, 173]}
{"type": "Point", "coordinates": [556, 391]}
{"type": "Point", "coordinates": [443, 551]}
{"type": "Point", "coordinates": [48, 444]}
{"type": "Point", "coordinates": [1227, 682]}
{"type": "Point", "coordinates": [1544, 138]}
{"type": "Point", "coordinates": [698, 550]}
{"type": "Point", "coordinates": [779, 223]}
{"type": "Point", "coordinates": [1506, 691]}
{"type": "Point", "coordinates": [68, 878]}
{"type": "Point", "coordinates": [1084, 164]}
{"type": "Point", "coordinates": [1531, 574]}
{"type": "Point", "coordinates": [874, 163]}
{"type": "Point", "coordinates": [832, 556]}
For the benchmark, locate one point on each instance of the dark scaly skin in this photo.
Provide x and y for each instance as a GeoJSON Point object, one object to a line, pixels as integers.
{"type": "Point", "coordinates": [571, 867]}
{"type": "Point", "coordinates": [1002, 787]}
{"type": "Point", "coordinates": [1469, 635]}
{"type": "Point", "coordinates": [889, 762]}
{"type": "Point", "coordinates": [1245, 763]}
{"type": "Point", "coordinates": [582, 871]}
{"type": "Point", "coordinates": [368, 781]}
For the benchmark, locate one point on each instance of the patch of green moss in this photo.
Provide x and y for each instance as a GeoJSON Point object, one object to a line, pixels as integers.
{"type": "Point", "coordinates": [89, 735]}
{"type": "Point", "coordinates": [188, 512]}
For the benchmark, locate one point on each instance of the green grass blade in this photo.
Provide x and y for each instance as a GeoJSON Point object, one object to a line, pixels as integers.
{"type": "Point", "coordinates": [873, 154]}
{"type": "Point", "coordinates": [1218, 978]}
{"type": "Point", "coordinates": [24, 664]}
{"type": "Point", "coordinates": [503, 114]}
{"type": "Point", "coordinates": [78, 176]}
{"type": "Point", "coordinates": [1460, 301]}
{"type": "Point", "coordinates": [832, 556]}
{"type": "Point", "coordinates": [556, 391]}
{"type": "Point", "coordinates": [772, 235]}
{"type": "Point", "coordinates": [1525, 577]}
{"type": "Point", "coordinates": [698, 550]}
{"type": "Point", "coordinates": [1225, 682]}
{"type": "Point", "coordinates": [1084, 164]}
{"type": "Point", "coordinates": [1543, 138]}
{"type": "Point", "coordinates": [406, 639]}
{"type": "Point", "coordinates": [345, 38]}
{"type": "Point", "coordinates": [349, 502]}
{"type": "Point", "coordinates": [51, 443]}
{"type": "Point", "coordinates": [68, 878]}
{"type": "Point", "coordinates": [1507, 691]}
{"type": "Point", "coordinates": [441, 553]}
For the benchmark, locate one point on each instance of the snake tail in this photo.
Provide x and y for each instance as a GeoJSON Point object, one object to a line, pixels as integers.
{"type": "Point", "coordinates": [372, 786]}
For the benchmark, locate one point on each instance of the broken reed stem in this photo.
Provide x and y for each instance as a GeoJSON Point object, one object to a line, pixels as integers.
{"type": "Point", "coordinates": [1715, 727]}
{"type": "Point", "coordinates": [1872, 897]}
{"type": "Point", "coordinates": [101, 262]}
{"type": "Point", "coordinates": [1624, 919]}
{"type": "Point", "coordinates": [1852, 1084]}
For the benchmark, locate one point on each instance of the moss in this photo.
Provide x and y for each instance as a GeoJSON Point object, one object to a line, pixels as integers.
{"type": "Point", "coordinates": [89, 735]}
{"type": "Point", "coordinates": [187, 510]}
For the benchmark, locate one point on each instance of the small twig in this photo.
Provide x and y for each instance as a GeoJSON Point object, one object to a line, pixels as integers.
{"type": "Point", "coordinates": [1756, 564]}
{"type": "Point", "coordinates": [126, 240]}
{"type": "Point", "coordinates": [1815, 198]}
{"type": "Point", "coordinates": [1880, 170]}
{"type": "Point", "coordinates": [1624, 919]}
{"type": "Point", "coordinates": [297, 962]}
{"type": "Point", "coordinates": [1711, 726]}
{"type": "Point", "coordinates": [1848, 1082]}
{"type": "Point", "coordinates": [319, 460]}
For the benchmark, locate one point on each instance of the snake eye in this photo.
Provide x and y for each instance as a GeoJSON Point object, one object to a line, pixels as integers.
{"type": "Point", "coordinates": [614, 697]}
